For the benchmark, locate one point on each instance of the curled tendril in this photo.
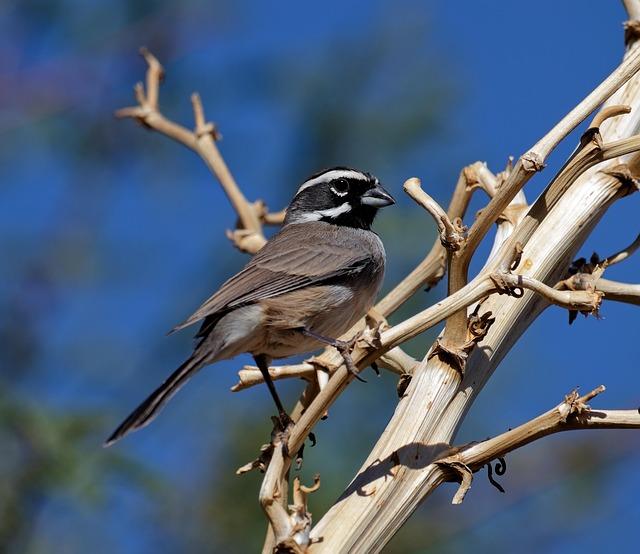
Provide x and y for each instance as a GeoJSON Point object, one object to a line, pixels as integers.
{"type": "Point", "coordinates": [479, 325]}
{"type": "Point", "coordinates": [517, 292]}
{"type": "Point", "coordinates": [501, 466]}
{"type": "Point", "coordinates": [500, 469]}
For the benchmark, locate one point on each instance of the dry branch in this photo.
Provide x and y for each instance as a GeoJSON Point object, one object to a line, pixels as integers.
{"type": "Point", "coordinates": [438, 398]}
{"type": "Point", "coordinates": [451, 233]}
{"type": "Point", "coordinates": [202, 140]}
{"type": "Point", "coordinates": [528, 164]}
{"type": "Point", "coordinates": [572, 413]}
{"type": "Point", "coordinates": [533, 247]}
{"type": "Point", "coordinates": [396, 360]}
{"type": "Point", "coordinates": [623, 254]}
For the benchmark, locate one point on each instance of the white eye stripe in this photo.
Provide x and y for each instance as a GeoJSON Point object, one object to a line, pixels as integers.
{"type": "Point", "coordinates": [330, 176]}
{"type": "Point", "coordinates": [343, 193]}
{"type": "Point", "coordinates": [317, 215]}
{"type": "Point", "coordinates": [335, 212]}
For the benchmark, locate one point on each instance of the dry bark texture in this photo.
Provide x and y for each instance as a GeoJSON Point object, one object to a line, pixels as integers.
{"type": "Point", "coordinates": [529, 269]}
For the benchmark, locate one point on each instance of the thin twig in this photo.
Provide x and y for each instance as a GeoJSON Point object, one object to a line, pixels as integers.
{"type": "Point", "coordinates": [396, 361]}
{"type": "Point", "coordinates": [572, 413]}
{"type": "Point", "coordinates": [249, 236]}
{"type": "Point", "coordinates": [528, 164]}
{"type": "Point", "coordinates": [429, 272]}
{"type": "Point", "coordinates": [496, 282]}
{"type": "Point", "coordinates": [451, 235]}
{"type": "Point", "coordinates": [436, 402]}
{"type": "Point", "coordinates": [623, 254]}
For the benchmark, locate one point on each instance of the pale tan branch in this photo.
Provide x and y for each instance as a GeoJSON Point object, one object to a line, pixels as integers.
{"type": "Point", "coordinates": [154, 76]}
{"type": "Point", "coordinates": [250, 375]}
{"type": "Point", "coordinates": [623, 254]}
{"type": "Point", "coordinates": [436, 401]}
{"type": "Point", "coordinates": [429, 272]}
{"type": "Point", "coordinates": [528, 164]}
{"type": "Point", "coordinates": [619, 292]}
{"type": "Point", "coordinates": [591, 153]}
{"type": "Point", "coordinates": [572, 413]}
{"type": "Point", "coordinates": [396, 360]}
{"type": "Point", "coordinates": [611, 290]}
{"type": "Point", "coordinates": [633, 8]}
{"type": "Point", "coordinates": [451, 233]}
{"type": "Point", "coordinates": [608, 112]}
{"type": "Point", "coordinates": [202, 140]}
{"type": "Point", "coordinates": [271, 493]}
{"type": "Point", "coordinates": [534, 159]}
{"type": "Point", "coordinates": [274, 218]}
{"type": "Point", "coordinates": [497, 282]}
{"type": "Point", "coordinates": [478, 176]}
{"type": "Point", "coordinates": [289, 524]}
{"type": "Point", "coordinates": [581, 300]}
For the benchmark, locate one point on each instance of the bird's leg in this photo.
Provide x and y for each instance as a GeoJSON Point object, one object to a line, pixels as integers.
{"type": "Point", "coordinates": [263, 365]}
{"type": "Point", "coordinates": [344, 347]}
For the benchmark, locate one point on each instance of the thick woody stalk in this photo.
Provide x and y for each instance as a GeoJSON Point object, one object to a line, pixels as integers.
{"type": "Point", "coordinates": [437, 399]}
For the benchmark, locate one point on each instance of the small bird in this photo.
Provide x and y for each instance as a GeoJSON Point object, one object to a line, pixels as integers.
{"type": "Point", "coordinates": [307, 286]}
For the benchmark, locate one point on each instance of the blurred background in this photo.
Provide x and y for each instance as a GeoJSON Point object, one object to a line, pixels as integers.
{"type": "Point", "coordinates": [109, 235]}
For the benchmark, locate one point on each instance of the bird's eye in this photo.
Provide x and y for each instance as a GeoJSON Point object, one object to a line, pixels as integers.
{"type": "Point", "coordinates": [340, 187]}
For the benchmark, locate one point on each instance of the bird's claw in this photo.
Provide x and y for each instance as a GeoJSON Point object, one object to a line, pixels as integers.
{"type": "Point", "coordinates": [282, 425]}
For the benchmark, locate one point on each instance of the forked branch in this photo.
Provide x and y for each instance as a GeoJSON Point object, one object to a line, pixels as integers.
{"type": "Point", "coordinates": [527, 165]}
{"type": "Point", "coordinates": [571, 414]}
{"type": "Point", "coordinates": [202, 140]}
{"type": "Point", "coordinates": [451, 232]}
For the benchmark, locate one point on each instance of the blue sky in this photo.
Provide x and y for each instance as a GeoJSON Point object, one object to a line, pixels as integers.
{"type": "Point", "coordinates": [111, 234]}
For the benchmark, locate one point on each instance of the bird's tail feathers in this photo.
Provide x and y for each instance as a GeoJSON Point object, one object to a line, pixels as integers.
{"type": "Point", "coordinates": [149, 409]}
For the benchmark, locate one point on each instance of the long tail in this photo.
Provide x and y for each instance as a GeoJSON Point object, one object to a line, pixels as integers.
{"type": "Point", "coordinates": [148, 410]}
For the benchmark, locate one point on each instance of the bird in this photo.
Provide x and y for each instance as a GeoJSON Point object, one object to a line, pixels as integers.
{"type": "Point", "coordinates": [308, 285]}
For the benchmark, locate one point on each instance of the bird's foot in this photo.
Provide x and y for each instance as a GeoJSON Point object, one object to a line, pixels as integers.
{"type": "Point", "coordinates": [283, 421]}
{"type": "Point", "coordinates": [282, 425]}
{"type": "Point", "coordinates": [345, 347]}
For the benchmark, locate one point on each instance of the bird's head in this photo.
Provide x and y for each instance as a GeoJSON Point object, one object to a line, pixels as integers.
{"type": "Point", "coordinates": [341, 196]}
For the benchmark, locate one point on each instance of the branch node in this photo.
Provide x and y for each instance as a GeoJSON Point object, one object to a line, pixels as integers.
{"type": "Point", "coordinates": [260, 463]}
{"type": "Point", "coordinates": [452, 234]}
{"type": "Point", "coordinates": [508, 284]}
{"type": "Point", "coordinates": [462, 473]}
{"type": "Point", "coordinates": [202, 126]}
{"type": "Point", "coordinates": [479, 325]}
{"type": "Point", "coordinates": [471, 178]}
{"type": "Point", "coordinates": [629, 183]}
{"type": "Point", "coordinates": [532, 162]}
{"type": "Point", "coordinates": [631, 31]}
{"type": "Point", "coordinates": [403, 384]}
{"type": "Point", "coordinates": [576, 405]}
{"type": "Point", "coordinates": [453, 355]}
{"type": "Point", "coordinates": [246, 240]}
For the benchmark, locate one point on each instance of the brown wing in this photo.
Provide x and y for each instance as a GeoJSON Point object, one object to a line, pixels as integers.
{"type": "Point", "coordinates": [299, 255]}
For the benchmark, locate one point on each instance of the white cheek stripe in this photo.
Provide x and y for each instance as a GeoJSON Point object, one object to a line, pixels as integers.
{"type": "Point", "coordinates": [320, 214]}
{"type": "Point", "coordinates": [330, 176]}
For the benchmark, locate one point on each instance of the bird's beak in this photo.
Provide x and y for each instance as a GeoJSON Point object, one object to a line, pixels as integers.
{"type": "Point", "coordinates": [377, 197]}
